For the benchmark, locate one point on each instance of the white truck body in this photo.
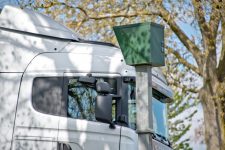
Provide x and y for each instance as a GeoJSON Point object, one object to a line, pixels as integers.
{"type": "Point", "coordinates": [31, 46]}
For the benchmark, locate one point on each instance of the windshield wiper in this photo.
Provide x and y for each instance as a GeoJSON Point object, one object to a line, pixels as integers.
{"type": "Point", "coordinates": [161, 138]}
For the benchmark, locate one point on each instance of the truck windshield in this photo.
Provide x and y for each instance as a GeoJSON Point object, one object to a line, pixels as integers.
{"type": "Point", "coordinates": [159, 112]}
{"type": "Point", "coordinates": [159, 117]}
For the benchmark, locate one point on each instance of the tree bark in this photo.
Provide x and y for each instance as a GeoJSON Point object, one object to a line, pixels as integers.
{"type": "Point", "coordinates": [221, 110]}
{"type": "Point", "coordinates": [211, 126]}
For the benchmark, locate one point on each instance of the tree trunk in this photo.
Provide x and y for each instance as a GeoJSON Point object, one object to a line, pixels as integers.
{"type": "Point", "coordinates": [214, 121]}
{"type": "Point", "coordinates": [221, 110]}
{"type": "Point", "coordinates": [211, 124]}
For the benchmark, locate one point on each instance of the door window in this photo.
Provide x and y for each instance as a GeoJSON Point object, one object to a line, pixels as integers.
{"type": "Point", "coordinates": [47, 94]}
{"type": "Point", "coordinates": [77, 99]}
{"type": "Point", "coordinates": [81, 98]}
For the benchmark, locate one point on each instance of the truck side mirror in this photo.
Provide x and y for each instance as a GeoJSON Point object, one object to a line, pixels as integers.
{"type": "Point", "coordinates": [103, 108]}
{"type": "Point", "coordinates": [103, 105]}
{"type": "Point", "coordinates": [103, 87]}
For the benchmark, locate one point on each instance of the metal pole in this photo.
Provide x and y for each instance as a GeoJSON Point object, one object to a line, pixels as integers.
{"type": "Point", "coordinates": [144, 106]}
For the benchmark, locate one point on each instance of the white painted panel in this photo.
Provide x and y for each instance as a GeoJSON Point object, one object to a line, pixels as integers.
{"type": "Point", "coordinates": [17, 50]}
{"type": "Point", "coordinates": [129, 139]}
{"type": "Point", "coordinates": [23, 144]}
{"type": "Point", "coordinates": [9, 87]}
{"type": "Point", "coordinates": [75, 63]}
{"type": "Point", "coordinates": [88, 134]}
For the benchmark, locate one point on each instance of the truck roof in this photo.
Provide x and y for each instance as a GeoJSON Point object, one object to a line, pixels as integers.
{"type": "Point", "coordinates": [26, 20]}
{"type": "Point", "coordinates": [25, 34]}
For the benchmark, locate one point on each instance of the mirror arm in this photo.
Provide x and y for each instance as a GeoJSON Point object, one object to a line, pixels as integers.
{"type": "Point", "coordinates": [112, 125]}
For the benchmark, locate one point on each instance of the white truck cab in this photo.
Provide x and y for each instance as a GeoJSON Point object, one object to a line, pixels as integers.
{"type": "Point", "coordinates": [49, 95]}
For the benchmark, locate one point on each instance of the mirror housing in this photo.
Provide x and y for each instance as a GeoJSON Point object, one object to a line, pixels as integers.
{"type": "Point", "coordinates": [103, 108]}
{"type": "Point", "coordinates": [103, 88]}
{"type": "Point", "coordinates": [87, 80]}
{"type": "Point", "coordinates": [103, 104]}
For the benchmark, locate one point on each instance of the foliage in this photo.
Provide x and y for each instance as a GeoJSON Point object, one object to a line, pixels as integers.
{"type": "Point", "coordinates": [178, 126]}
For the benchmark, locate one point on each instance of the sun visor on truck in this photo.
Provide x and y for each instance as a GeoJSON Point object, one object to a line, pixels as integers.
{"type": "Point", "coordinates": [142, 43]}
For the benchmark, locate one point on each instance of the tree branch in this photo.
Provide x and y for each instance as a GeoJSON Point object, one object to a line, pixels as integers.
{"type": "Point", "coordinates": [215, 18]}
{"type": "Point", "coordinates": [195, 51]}
{"type": "Point", "coordinates": [83, 10]}
{"type": "Point", "coordinates": [51, 4]}
{"type": "Point", "coordinates": [200, 15]}
{"type": "Point", "coordinates": [183, 61]}
{"type": "Point", "coordinates": [117, 15]}
{"type": "Point", "coordinates": [176, 83]}
{"type": "Point", "coordinates": [221, 66]}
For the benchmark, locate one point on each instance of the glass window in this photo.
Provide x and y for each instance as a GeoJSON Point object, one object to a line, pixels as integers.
{"type": "Point", "coordinates": [47, 94]}
{"type": "Point", "coordinates": [159, 112]}
{"type": "Point", "coordinates": [114, 110]}
{"type": "Point", "coordinates": [81, 99]}
{"type": "Point", "coordinates": [159, 117]}
{"type": "Point", "coordinates": [131, 106]}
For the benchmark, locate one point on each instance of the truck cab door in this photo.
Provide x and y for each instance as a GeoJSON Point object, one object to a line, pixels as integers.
{"type": "Point", "coordinates": [37, 118]}
{"type": "Point", "coordinates": [78, 128]}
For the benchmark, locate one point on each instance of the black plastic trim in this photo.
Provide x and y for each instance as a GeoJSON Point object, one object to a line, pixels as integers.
{"type": "Point", "coordinates": [37, 35]}
{"type": "Point", "coordinates": [58, 38]}
{"type": "Point", "coordinates": [120, 137]}
{"type": "Point", "coordinates": [97, 42]}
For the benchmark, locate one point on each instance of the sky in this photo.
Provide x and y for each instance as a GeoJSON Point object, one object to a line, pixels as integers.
{"type": "Point", "coordinates": [4, 2]}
